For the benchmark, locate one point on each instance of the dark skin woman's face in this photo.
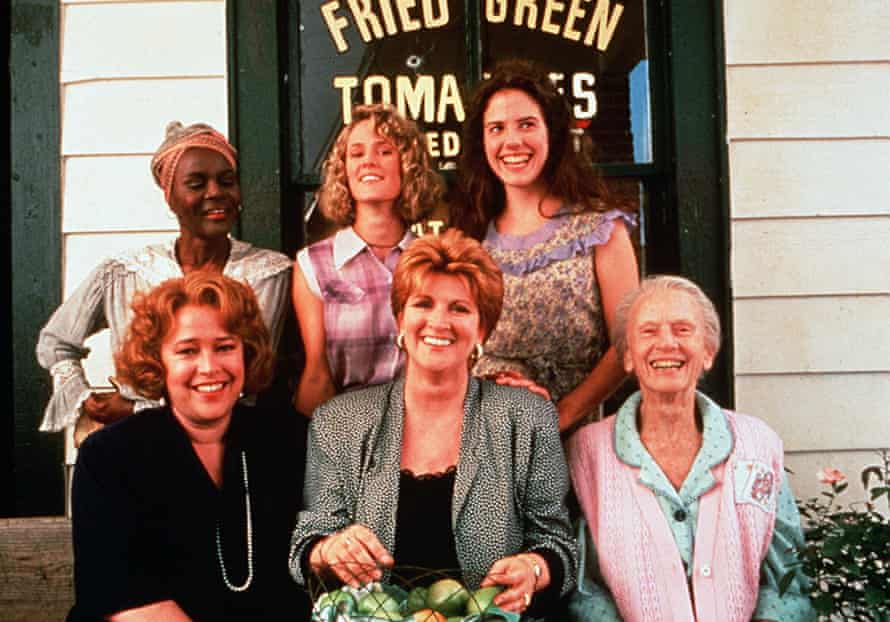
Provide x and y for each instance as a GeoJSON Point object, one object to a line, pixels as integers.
{"type": "Point", "coordinates": [206, 194]}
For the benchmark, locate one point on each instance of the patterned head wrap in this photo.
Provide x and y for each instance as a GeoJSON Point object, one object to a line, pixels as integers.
{"type": "Point", "coordinates": [177, 140]}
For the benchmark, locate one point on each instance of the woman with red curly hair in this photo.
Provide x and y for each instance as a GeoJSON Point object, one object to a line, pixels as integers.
{"type": "Point", "coordinates": [378, 181]}
{"type": "Point", "coordinates": [184, 512]}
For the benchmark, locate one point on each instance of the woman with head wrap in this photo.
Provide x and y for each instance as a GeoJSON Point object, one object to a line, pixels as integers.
{"type": "Point", "coordinates": [197, 169]}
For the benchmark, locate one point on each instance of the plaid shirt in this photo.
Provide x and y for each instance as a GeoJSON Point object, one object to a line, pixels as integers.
{"type": "Point", "coordinates": [354, 285]}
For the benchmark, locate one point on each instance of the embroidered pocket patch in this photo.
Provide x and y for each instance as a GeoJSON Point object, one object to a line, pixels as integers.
{"type": "Point", "coordinates": [342, 292]}
{"type": "Point", "coordinates": [755, 483]}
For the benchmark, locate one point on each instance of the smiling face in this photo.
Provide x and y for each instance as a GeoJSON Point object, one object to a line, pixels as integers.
{"type": "Point", "coordinates": [441, 325]}
{"type": "Point", "coordinates": [203, 367]}
{"type": "Point", "coordinates": [667, 347]}
{"type": "Point", "coordinates": [205, 194]}
{"type": "Point", "coordinates": [515, 138]}
{"type": "Point", "coordinates": [373, 166]}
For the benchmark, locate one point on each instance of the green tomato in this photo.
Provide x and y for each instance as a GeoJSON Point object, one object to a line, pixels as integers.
{"type": "Point", "coordinates": [448, 597]}
{"type": "Point", "coordinates": [416, 600]}
{"type": "Point", "coordinates": [481, 599]}
{"type": "Point", "coordinates": [378, 603]}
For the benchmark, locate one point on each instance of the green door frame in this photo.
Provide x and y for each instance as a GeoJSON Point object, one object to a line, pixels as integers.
{"type": "Point", "coordinates": [35, 482]}
{"type": "Point", "coordinates": [701, 166]}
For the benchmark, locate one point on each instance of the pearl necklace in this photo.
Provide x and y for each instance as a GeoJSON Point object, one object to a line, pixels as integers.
{"type": "Point", "coordinates": [219, 553]}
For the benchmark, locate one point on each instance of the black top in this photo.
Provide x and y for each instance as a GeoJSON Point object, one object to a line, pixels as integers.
{"type": "Point", "coordinates": [425, 548]}
{"type": "Point", "coordinates": [146, 513]}
{"type": "Point", "coordinates": [424, 537]}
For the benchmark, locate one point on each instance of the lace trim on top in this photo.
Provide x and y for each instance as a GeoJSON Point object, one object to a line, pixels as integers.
{"type": "Point", "coordinates": [594, 230]}
{"type": "Point", "coordinates": [157, 262]}
{"type": "Point", "coordinates": [449, 472]}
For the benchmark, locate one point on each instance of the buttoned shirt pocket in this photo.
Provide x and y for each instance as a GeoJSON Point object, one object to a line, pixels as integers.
{"type": "Point", "coordinates": [755, 484]}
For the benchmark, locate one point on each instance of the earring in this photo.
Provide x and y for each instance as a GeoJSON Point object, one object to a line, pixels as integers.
{"type": "Point", "coordinates": [478, 351]}
{"type": "Point", "coordinates": [400, 341]}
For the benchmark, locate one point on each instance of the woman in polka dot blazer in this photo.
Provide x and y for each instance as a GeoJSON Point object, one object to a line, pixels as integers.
{"type": "Point", "coordinates": [438, 470]}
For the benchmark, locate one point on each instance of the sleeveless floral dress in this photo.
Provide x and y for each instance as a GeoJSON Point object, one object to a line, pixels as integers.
{"type": "Point", "coordinates": [552, 328]}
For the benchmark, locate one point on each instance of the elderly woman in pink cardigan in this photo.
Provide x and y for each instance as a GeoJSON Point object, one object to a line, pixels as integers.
{"type": "Point", "coordinates": [688, 512]}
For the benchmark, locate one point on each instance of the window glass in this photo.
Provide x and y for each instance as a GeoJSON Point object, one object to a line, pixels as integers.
{"type": "Point", "coordinates": [410, 54]}
{"type": "Point", "coordinates": [597, 54]}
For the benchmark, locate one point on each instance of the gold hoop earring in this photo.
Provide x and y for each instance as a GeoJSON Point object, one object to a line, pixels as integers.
{"type": "Point", "coordinates": [400, 341]}
{"type": "Point", "coordinates": [478, 351]}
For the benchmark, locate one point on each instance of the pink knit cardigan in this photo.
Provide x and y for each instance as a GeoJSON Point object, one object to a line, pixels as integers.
{"type": "Point", "coordinates": [637, 554]}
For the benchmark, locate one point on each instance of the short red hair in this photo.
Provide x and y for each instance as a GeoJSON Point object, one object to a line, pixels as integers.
{"type": "Point", "coordinates": [455, 254]}
{"type": "Point", "coordinates": [138, 362]}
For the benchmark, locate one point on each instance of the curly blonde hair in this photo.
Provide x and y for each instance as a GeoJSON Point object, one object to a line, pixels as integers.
{"type": "Point", "coordinates": [421, 186]}
{"type": "Point", "coordinates": [138, 362]}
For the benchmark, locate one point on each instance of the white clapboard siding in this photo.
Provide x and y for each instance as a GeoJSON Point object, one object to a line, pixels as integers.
{"type": "Point", "coordinates": [808, 132]}
{"type": "Point", "coordinates": [129, 116]}
{"type": "Point", "coordinates": [808, 101]}
{"type": "Point", "coordinates": [112, 193]}
{"type": "Point", "coordinates": [153, 39]}
{"type": "Point", "coordinates": [818, 256]}
{"type": "Point", "coordinates": [805, 466]}
{"type": "Point", "coordinates": [821, 334]}
{"type": "Point", "coordinates": [83, 252]}
{"type": "Point", "coordinates": [766, 31]}
{"type": "Point", "coordinates": [820, 412]}
{"type": "Point", "coordinates": [809, 177]}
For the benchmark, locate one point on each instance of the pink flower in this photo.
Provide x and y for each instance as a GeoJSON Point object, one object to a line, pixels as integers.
{"type": "Point", "coordinates": [830, 475]}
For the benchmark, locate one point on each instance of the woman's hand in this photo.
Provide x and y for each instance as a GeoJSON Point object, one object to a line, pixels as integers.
{"type": "Point", "coordinates": [107, 407]}
{"type": "Point", "coordinates": [166, 610]}
{"type": "Point", "coordinates": [522, 575]}
{"type": "Point", "coordinates": [354, 555]}
{"type": "Point", "coordinates": [515, 379]}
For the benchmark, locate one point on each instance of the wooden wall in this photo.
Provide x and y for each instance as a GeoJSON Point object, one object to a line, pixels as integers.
{"type": "Point", "coordinates": [808, 129]}
{"type": "Point", "coordinates": [36, 569]}
{"type": "Point", "coordinates": [127, 69]}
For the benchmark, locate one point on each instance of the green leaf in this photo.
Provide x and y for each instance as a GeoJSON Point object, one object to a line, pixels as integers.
{"type": "Point", "coordinates": [832, 547]}
{"type": "Point", "coordinates": [876, 596]}
{"type": "Point", "coordinates": [868, 472]}
{"type": "Point", "coordinates": [879, 491]}
{"type": "Point", "coordinates": [824, 603]}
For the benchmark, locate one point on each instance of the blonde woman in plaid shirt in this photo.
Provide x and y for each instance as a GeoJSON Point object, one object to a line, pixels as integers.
{"type": "Point", "coordinates": [378, 181]}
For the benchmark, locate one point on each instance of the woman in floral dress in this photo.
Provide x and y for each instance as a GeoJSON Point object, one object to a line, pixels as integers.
{"type": "Point", "coordinates": [567, 258]}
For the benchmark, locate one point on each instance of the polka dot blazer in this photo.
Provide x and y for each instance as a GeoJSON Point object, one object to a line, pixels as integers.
{"type": "Point", "coordinates": [509, 491]}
